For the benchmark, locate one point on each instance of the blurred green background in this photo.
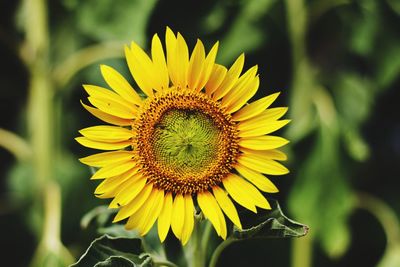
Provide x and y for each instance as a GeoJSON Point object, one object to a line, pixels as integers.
{"type": "Point", "coordinates": [336, 62]}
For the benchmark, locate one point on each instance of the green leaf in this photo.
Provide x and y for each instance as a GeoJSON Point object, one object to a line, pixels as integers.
{"type": "Point", "coordinates": [395, 5]}
{"type": "Point", "coordinates": [245, 24]}
{"type": "Point", "coordinates": [364, 27]}
{"type": "Point", "coordinates": [270, 224]}
{"type": "Point", "coordinates": [354, 101]}
{"type": "Point", "coordinates": [108, 251]}
{"type": "Point", "coordinates": [101, 218]}
{"type": "Point", "coordinates": [117, 261]}
{"type": "Point", "coordinates": [321, 195]}
{"type": "Point", "coordinates": [301, 102]}
{"type": "Point", "coordinates": [387, 62]}
{"type": "Point", "coordinates": [353, 97]}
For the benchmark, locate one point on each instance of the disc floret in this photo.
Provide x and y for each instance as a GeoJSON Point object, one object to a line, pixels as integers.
{"type": "Point", "coordinates": [185, 142]}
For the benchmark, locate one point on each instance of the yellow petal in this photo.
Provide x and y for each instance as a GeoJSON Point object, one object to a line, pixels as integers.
{"type": "Point", "coordinates": [254, 108]}
{"type": "Point", "coordinates": [249, 190]}
{"type": "Point", "coordinates": [208, 67]}
{"type": "Point", "coordinates": [222, 221]}
{"type": "Point", "coordinates": [240, 87]}
{"type": "Point", "coordinates": [217, 75]}
{"type": "Point", "coordinates": [170, 42]}
{"type": "Point", "coordinates": [141, 68]}
{"type": "Point", "coordinates": [106, 133]}
{"type": "Point", "coordinates": [178, 216]}
{"type": "Point", "coordinates": [266, 154]}
{"type": "Point", "coordinates": [209, 206]}
{"type": "Point", "coordinates": [189, 219]}
{"type": "Point", "coordinates": [111, 107]}
{"type": "Point", "coordinates": [262, 165]}
{"type": "Point", "coordinates": [107, 117]}
{"type": "Point", "coordinates": [110, 183]}
{"type": "Point", "coordinates": [152, 212]}
{"type": "Point", "coordinates": [137, 220]}
{"type": "Point", "coordinates": [256, 178]}
{"type": "Point", "coordinates": [118, 83]}
{"type": "Point", "coordinates": [244, 96]}
{"type": "Point", "coordinates": [265, 128]}
{"type": "Point", "coordinates": [110, 192]}
{"type": "Point", "coordinates": [114, 169]}
{"type": "Point", "coordinates": [102, 145]}
{"type": "Point", "coordinates": [227, 206]}
{"type": "Point", "coordinates": [110, 102]}
{"type": "Point", "coordinates": [181, 61]}
{"type": "Point", "coordinates": [160, 65]}
{"type": "Point", "coordinates": [105, 158]}
{"type": "Point", "coordinates": [101, 92]}
{"type": "Point", "coordinates": [135, 204]}
{"type": "Point", "coordinates": [145, 69]}
{"type": "Point", "coordinates": [196, 64]}
{"type": "Point", "coordinates": [230, 78]}
{"type": "Point", "coordinates": [263, 142]}
{"type": "Point", "coordinates": [164, 220]}
{"type": "Point", "coordinates": [133, 220]}
{"type": "Point", "coordinates": [238, 194]}
{"type": "Point", "coordinates": [130, 190]}
{"type": "Point", "coordinates": [271, 114]}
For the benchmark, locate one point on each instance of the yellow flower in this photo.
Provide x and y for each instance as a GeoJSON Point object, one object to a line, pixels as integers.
{"type": "Point", "coordinates": [192, 141]}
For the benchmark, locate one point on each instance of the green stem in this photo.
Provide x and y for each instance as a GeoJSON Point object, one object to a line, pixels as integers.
{"type": "Point", "coordinates": [40, 98]}
{"type": "Point", "coordinates": [50, 244]}
{"type": "Point", "coordinates": [206, 237]}
{"type": "Point", "coordinates": [194, 254]}
{"type": "Point", "coordinates": [301, 102]}
{"type": "Point", "coordinates": [52, 220]}
{"type": "Point", "coordinates": [15, 144]}
{"type": "Point", "coordinates": [383, 213]}
{"type": "Point", "coordinates": [297, 24]}
{"type": "Point", "coordinates": [40, 108]}
{"type": "Point", "coordinates": [303, 81]}
{"type": "Point", "coordinates": [302, 252]}
{"type": "Point", "coordinates": [218, 251]}
{"type": "Point", "coordinates": [83, 58]}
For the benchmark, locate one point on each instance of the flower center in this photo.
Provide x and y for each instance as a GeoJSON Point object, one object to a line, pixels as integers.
{"type": "Point", "coordinates": [185, 142]}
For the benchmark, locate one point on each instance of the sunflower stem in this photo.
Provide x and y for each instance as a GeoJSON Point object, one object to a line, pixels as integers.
{"type": "Point", "coordinates": [302, 252]}
{"type": "Point", "coordinates": [217, 253]}
{"type": "Point", "coordinates": [206, 237]}
{"type": "Point", "coordinates": [194, 253]}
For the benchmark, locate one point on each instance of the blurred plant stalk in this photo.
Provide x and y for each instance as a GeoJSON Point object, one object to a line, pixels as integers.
{"type": "Point", "coordinates": [296, 14]}
{"type": "Point", "coordinates": [50, 251]}
{"type": "Point", "coordinates": [35, 54]}
{"type": "Point", "coordinates": [15, 144]}
{"type": "Point", "coordinates": [386, 216]}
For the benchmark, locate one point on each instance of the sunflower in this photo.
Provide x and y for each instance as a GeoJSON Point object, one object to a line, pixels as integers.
{"type": "Point", "coordinates": [190, 142]}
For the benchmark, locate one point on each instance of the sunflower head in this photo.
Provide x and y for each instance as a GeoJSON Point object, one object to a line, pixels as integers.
{"type": "Point", "coordinates": [190, 143]}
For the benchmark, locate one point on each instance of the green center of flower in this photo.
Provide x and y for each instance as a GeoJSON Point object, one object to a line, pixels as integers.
{"type": "Point", "coordinates": [185, 141]}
